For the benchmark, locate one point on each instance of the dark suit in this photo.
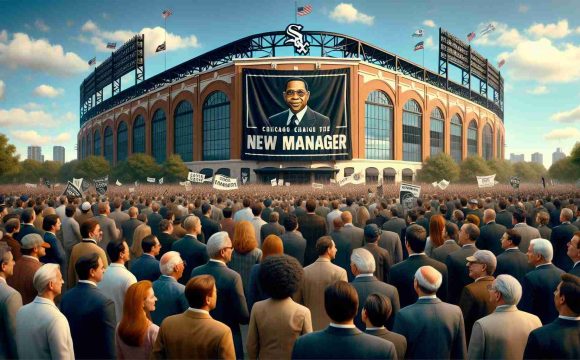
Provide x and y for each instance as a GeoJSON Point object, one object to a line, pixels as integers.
{"type": "Point", "coordinates": [294, 245]}
{"type": "Point", "coordinates": [366, 285]}
{"type": "Point", "coordinates": [513, 262]}
{"type": "Point", "coordinates": [265, 215]}
{"type": "Point", "coordinates": [490, 237]}
{"type": "Point", "coordinates": [26, 229]}
{"type": "Point", "coordinates": [55, 254]}
{"type": "Point", "coordinates": [504, 217]}
{"type": "Point", "coordinates": [310, 118]}
{"type": "Point", "coordinates": [397, 339]}
{"type": "Point", "coordinates": [170, 298]}
{"type": "Point", "coordinates": [383, 261]}
{"type": "Point", "coordinates": [474, 303]}
{"type": "Point", "coordinates": [193, 252]}
{"type": "Point", "coordinates": [146, 267]}
{"type": "Point", "coordinates": [440, 253]}
{"type": "Point", "coordinates": [434, 330]}
{"type": "Point", "coordinates": [153, 221]}
{"type": "Point", "coordinates": [343, 251]}
{"type": "Point", "coordinates": [391, 242]}
{"type": "Point", "coordinates": [312, 228]}
{"type": "Point", "coordinates": [209, 227]}
{"type": "Point", "coordinates": [337, 343]}
{"type": "Point", "coordinates": [575, 270]}
{"type": "Point", "coordinates": [403, 274]}
{"type": "Point", "coordinates": [128, 229]}
{"type": "Point", "coordinates": [269, 229]}
{"type": "Point", "coordinates": [561, 235]}
{"type": "Point", "coordinates": [92, 325]}
{"type": "Point", "coordinates": [231, 307]}
{"type": "Point", "coordinates": [398, 226]}
{"type": "Point", "coordinates": [166, 240]}
{"type": "Point", "coordinates": [458, 272]}
{"type": "Point", "coordinates": [558, 340]}
{"type": "Point", "coordinates": [545, 232]}
{"type": "Point", "coordinates": [538, 292]}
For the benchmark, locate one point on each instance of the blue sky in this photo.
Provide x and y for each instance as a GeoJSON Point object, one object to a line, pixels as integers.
{"type": "Point", "coordinates": [45, 46]}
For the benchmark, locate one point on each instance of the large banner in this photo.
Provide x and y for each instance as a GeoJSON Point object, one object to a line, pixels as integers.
{"type": "Point", "coordinates": [222, 182]}
{"type": "Point", "coordinates": [296, 115]}
{"type": "Point", "coordinates": [101, 185]}
{"type": "Point", "coordinates": [486, 181]}
{"type": "Point", "coordinates": [408, 195]}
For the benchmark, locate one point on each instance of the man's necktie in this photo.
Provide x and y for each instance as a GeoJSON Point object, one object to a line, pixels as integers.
{"type": "Point", "coordinates": [294, 119]}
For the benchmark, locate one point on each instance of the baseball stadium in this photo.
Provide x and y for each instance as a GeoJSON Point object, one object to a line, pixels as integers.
{"type": "Point", "coordinates": [296, 105]}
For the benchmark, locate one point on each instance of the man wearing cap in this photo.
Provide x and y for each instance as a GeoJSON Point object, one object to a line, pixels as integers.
{"type": "Point", "coordinates": [458, 273]}
{"type": "Point", "coordinates": [382, 257]}
{"type": "Point", "coordinates": [10, 303]}
{"type": "Point", "coordinates": [85, 213]}
{"type": "Point", "coordinates": [434, 329]}
{"type": "Point", "coordinates": [474, 301]}
{"type": "Point", "coordinates": [33, 248]}
{"type": "Point", "coordinates": [526, 232]}
{"type": "Point", "coordinates": [91, 233]}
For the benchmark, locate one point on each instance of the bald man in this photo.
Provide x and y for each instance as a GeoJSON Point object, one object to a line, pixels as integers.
{"type": "Point", "coordinates": [169, 292]}
{"type": "Point", "coordinates": [490, 234]}
{"type": "Point", "coordinates": [129, 226]}
{"type": "Point", "coordinates": [354, 234]}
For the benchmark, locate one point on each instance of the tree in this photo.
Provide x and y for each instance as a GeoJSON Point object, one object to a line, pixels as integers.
{"type": "Point", "coordinates": [174, 169]}
{"type": "Point", "coordinates": [471, 167]}
{"type": "Point", "coordinates": [575, 154]}
{"type": "Point", "coordinates": [140, 166]}
{"type": "Point", "coordinates": [93, 167]}
{"type": "Point", "coordinates": [8, 158]}
{"type": "Point", "coordinates": [50, 170]}
{"type": "Point", "coordinates": [565, 170]}
{"type": "Point", "coordinates": [30, 171]}
{"type": "Point", "coordinates": [439, 167]}
{"type": "Point", "coordinates": [69, 170]}
{"type": "Point", "coordinates": [502, 168]}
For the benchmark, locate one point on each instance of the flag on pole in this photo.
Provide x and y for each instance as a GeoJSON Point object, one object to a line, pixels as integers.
{"type": "Point", "coordinates": [118, 183]}
{"type": "Point", "coordinates": [93, 61]}
{"type": "Point", "coordinates": [501, 63]}
{"type": "Point", "coordinates": [150, 179]}
{"type": "Point", "coordinates": [489, 28]}
{"type": "Point", "coordinates": [166, 13]}
{"type": "Point", "coordinates": [161, 181]}
{"type": "Point", "coordinates": [419, 46]}
{"type": "Point", "coordinates": [418, 33]}
{"type": "Point", "coordinates": [160, 48]}
{"type": "Point", "coordinates": [304, 10]}
{"type": "Point", "coordinates": [111, 45]}
{"type": "Point", "coordinates": [471, 36]}
{"type": "Point", "coordinates": [274, 182]}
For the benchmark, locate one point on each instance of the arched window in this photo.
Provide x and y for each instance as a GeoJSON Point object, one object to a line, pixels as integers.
{"type": "Point", "coordinates": [371, 175]}
{"type": "Point", "coordinates": [472, 138]}
{"type": "Point", "coordinates": [389, 175]}
{"type": "Point", "coordinates": [223, 171]}
{"type": "Point", "coordinates": [108, 149]}
{"type": "Point", "coordinates": [183, 131]}
{"type": "Point", "coordinates": [498, 150]}
{"type": "Point", "coordinates": [139, 135]}
{"type": "Point", "coordinates": [88, 146]}
{"type": "Point", "coordinates": [122, 142]}
{"type": "Point", "coordinates": [97, 143]}
{"type": "Point", "coordinates": [407, 175]}
{"type": "Point", "coordinates": [487, 142]}
{"type": "Point", "coordinates": [378, 126]}
{"type": "Point", "coordinates": [159, 136]}
{"type": "Point", "coordinates": [456, 137]}
{"type": "Point", "coordinates": [437, 131]}
{"type": "Point", "coordinates": [81, 146]}
{"type": "Point", "coordinates": [412, 121]}
{"type": "Point", "coordinates": [348, 171]}
{"type": "Point", "coordinates": [216, 127]}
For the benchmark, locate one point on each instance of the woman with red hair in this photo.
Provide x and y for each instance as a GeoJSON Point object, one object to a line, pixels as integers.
{"type": "Point", "coordinates": [136, 333]}
{"type": "Point", "coordinates": [436, 234]}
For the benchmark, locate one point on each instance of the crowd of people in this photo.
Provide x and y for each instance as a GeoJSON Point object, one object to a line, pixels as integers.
{"type": "Point", "coordinates": [290, 272]}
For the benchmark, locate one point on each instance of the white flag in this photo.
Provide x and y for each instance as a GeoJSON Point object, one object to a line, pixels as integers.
{"type": "Point", "coordinates": [195, 177]}
{"type": "Point", "coordinates": [358, 178]}
{"type": "Point", "coordinates": [29, 185]}
{"type": "Point", "coordinates": [77, 182]}
{"type": "Point", "coordinates": [317, 186]}
{"type": "Point", "coordinates": [418, 33]}
{"type": "Point", "coordinates": [222, 182]}
{"type": "Point", "coordinates": [489, 28]}
{"type": "Point", "coordinates": [273, 182]}
{"type": "Point", "coordinates": [443, 184]}
{"type": "Point", "coordinates": [333, 181]}
{"type": "Point", "coordinates": [161, 181]}
{"type": "Point", "coordinates": [188, 186]}
{"type": "Point", "coordinates": [435, 184]}
{"type": "Point", "coordinates": [131, 189]}
{"type": "Point", "coordinates": [150, 180]}
{"type": "Point", "coordinates": [486, 181]}
{"type": "Point", "coordinates": [118, 183]}
{"type": "Point", "coordinates": [287, 184]}
{"type": "Point", "coordinates": [280, 182]}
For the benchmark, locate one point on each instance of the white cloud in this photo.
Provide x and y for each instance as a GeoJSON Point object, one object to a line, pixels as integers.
{"type": "Point", "coordinates": [32, 106]}
{"type": "Point", "coordinates": [538, 90]}
{"type": "Point", "coordinates": [40, 55]}
{"type": "Point", "coordinates": [570, 116]}
{"type": "Point", "coordinates": [523, 8]}
{"type": "Point", "coordinates": [542, 61]}
{"type": "Point", "coordinates": [62, 137]}
{"type": "Point", "coordinates": [89, 26]}
{"type": "Point", "coordinates": [503, 36]}
{"type": "Point", "coordinates": [561, 134]}
{"type": "Point", "coordinates": [23, 118]}
{"type": "Point", "coordinates": [69, 116]}
{"type": "Point", "coordinates": [47, 91]}
{"type": "Point", "coordinates": [3, 36]}
{"type": "Point", "coordinates": [34, 138]}
{"type": "Point", "coordinates": [40, 25]}
{"type": "Point", "coordinates": [429, 23]}
{"type": "Point", "coordinates": [554, 31]}
{"type": "Point", "coordinates": [346, 13]}
{"type": "Point", "coordinates": [2, 89]}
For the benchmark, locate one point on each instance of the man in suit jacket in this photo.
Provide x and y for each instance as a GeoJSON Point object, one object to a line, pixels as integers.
{"type": "Point", "coordinates": [33, 248]}
{"type": "Point", "coordinates": [354, 234]}
{"type": "Point", "coordinates": [154, 218]}
{"type": "Point", "coordinates": [561, 235]}
{"type": "Point", "coordinates": [190, 248]}
{"type": "Point", "coordinates": [129, 226]}
{"type": "Point", "coordinates": [490, 233]}
{"type": "Point", "coordinates": [458, 272]}
{"type": "Point", "coordinates": [27, 227]}
{"type": "Point", "coordinates": [91, 233]}
{"type": "Point", "coordinates": [294, 243]}
{"type": "Point", "coordinates": [317, 276]}
{"type": "Point", "coordinates": [108, 227]}
{"type": "Point", "coordinates": [333, 214]}
{"type": "Point", "coordinates": [433, 329]}
{"type": "Point", "coordinates": [448, 247]}
{"type": "Point", "coordinates": [343, 247]}
{"type": "Point", "coordinates": [402, 274]}
{"type": "Point", "coordinates": [231, 308]}
{"type": "Point", "coordinates": [573, 252]}
{"type": "Point", "coordinates": [365, 283]}
{"type": "Point", "coordinates": [71, 231]}
{"type": "Point", "coordinates": [474, 301]}
{"type": "Point", "coordinates": [146, 266]}
{"type": "Point", "coordinates": [179, 335]}
{"type": "Point", "coordinates": [382, 257]}
{"type": "Point", "coordinates": [397, 225]}
{"type": "Point", "coordinates": [169, 292]}
{"type": "Point", "coordinates": [117, 215]}
{"type": "Point", "coordinates": [93, 324]}
{"type": "Point", "coordinates": [10, 303]}
{"type": "Point", "coordinates": [512, 261]}
{"type": "Point", "coordinates": [391, 242]}
{"type": "Point", "coordinates": [503, 333]}
{"type": "Point", "coordinates": [312, 228]}
{"type": "Point", "coordinates": [539, 284]}
{"type": "Point", "coordinates": [271, 228]}
{"type": "Point", "coordinates": [503, 216]}
{"type": "Point", "coordinates": [296, 95]}
{"type": "Point", "coordinates": [526, 232]}
{"type": "Point", "coordinates": [560, 339]}
{"type": "Point", "coordinates": [11, 228]}
{"type": "Point", "coordinates": [208, 226]}
{"type": "Point", "coordinates": [376, 312]}
{"type": "Point", "coordinates": [341, 339]}
{"type": "Point", "coordinates": [166, 239]}
{"type": "Point", "coordinates": [55, 254]}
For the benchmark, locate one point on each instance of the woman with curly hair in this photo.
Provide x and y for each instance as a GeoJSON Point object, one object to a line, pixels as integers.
{"type": "Point", "coordinates": [136, 333]}
{"type": "Point", "coordinates": [436, 234]}
{"type": "Point", "coordinates": [246, 252]}
{"type": "Point", "coordinates": [277, 322]}
{"type": "Point", "coordinates": [272, 245]}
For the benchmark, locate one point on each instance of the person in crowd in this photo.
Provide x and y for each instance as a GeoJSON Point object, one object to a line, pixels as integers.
{"type": "Point", "coordinates": [10, 303]}
{"type": "Point", "coordinates": [228, 223]}
{"type": "Point", "coordinates": [382, 257]}
{"type": "Point", "coordinates": [93, 324]}
{"type": "Point", "coordinates": [354, 234]}
{"type": "Point", "coordinates": [179, 335]}
{"type": "Point", "coordinates": [128, 227]}
{"type": "Point", "coordinates": [316, 277]}
{"type": "Point", "coordinates": [433, 328]}
{"type": "Point", "coordinates": [341, 338]}
{"type": "Point", "coordinates": [146, 267]}
{"type": "Point", "coordinates": [42, 331]}
{"type": "Point", "coordinates": [33, 248]}
{"type": "Point", "coordinates": [294, 243]}
{"type": "Point", "coordinates": [512, 261]}
{"type": "Point", "coordinates": [396, 225]}
{"type": "Point", "coordinates": [490, 233]}
{"type": "Point", "coordinates": [472, 219]}
{"type": "Point", "coordinates": [362, 264]}
{"type": "Point", "coordinates": [272, 337]}
{"type": "Point", "coordinates": [257, 222]}
{"type": "Point", "coordinates": [312, 228]}
{"type": "Point", "coordinates": [110, 230]}
{"type": "Point", "coordinates": [136, 334]}
{"type": "Point", "coordinates": [436, 234]}
{"type": "Point", "coordinates": [55, 253]}
{"type": "Point", "coordinates": [561, 235]}
{"type": "Point", "coordinates": [526, 232]}
{"type": "Point", "coordinates": [140, 233]}
{"type": "Point", "coordinates": [27, 225]}
{"type": "Point", "coordinates": [244, 214]}
{"type": "Point", "coordinates": [170, 293]}
{"type": "Point", "coordinates": [540, 283]}
{"type": "Point", "coordinates": [504, 217]}
{"type": "Point", "coordinates": [391, 242]}
{"type": "Point", "coordinates": [272, 227]}
{"type": "Point", "coordinates": [343, 249]}
{"type": "Point", "coordinates": [362, 216]}
{"type": "Point", "coordinates": [246, 252]}
{"type": "Point", "coordinates": [333, 214]}
{"type": "Point", "coordinates": [458, 218]}
{"type": "Point", "coordinates": [117, 279]}
{"type": "Point", "coordinates": [232, 309]}
{"type": "Point", "coordinates": [192, 251]}
{"type": "Point", "coordinates": [11, 227]}
{"type": "Point", "coordinates": [118, 216]}
{"type": "Point", "coordinates": [71, 231]}
{"type": "Point", "coordinates": [542, 219]}
{"type": "Point", "coordinates": [85, 214]}
{"type": "Point", "coordinates": [376, 312]}
{"type": "Point", "coordinates": [573, 252]}
{"type": "Point", "coordinates": [449, 244]}
{"type": "Point", "coordinates": [272, 245]}
{"type": "Point", "coordinates": [166, 238]}
{"type": "Point", "coordinates": [208, 225]}
{"type": "Point", "coordinates": [559, 339]}
{"type": "Point", "coordinates": [91, 234]}
{"type": "Point", "coordinates": [458, 272]}
{"type": "Point", "coordinates": [502, 334]}
{"type": "Point", "coordinates": [154, 218]}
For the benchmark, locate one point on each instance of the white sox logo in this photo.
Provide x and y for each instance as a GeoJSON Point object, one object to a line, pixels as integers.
{"type": "Point", "coordinates": [297, 38]}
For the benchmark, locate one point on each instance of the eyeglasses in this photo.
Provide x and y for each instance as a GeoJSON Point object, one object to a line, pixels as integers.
{"type": "Point", "coordinates": [300, 93]}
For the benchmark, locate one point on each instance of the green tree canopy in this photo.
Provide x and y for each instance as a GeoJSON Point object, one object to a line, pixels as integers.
{"type": "Point", "coordinates": [140, 166]}
{"type": "Point", "coordinates": [93, 167]}
{"type": "Point", "coordinates": [69, 170]}
{"type": "Point", "coordinates": [174, 169]}
{"type": "Point", "coordinates": [502, 168]}
{"type": "Point", "coordinates": [565, 170]}
{"type": "Point", "coordinates": [471, 167]}
{"type": "Point", "coordinates": [438, 167]}
{"type": "Point", "coordinates": [8, 158]}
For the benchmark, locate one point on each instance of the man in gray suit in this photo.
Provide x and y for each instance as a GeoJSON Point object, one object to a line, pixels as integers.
{"type": "Point", "coordinates": [354, 234]}
{"type": "Point", "coordinates": [391, 242]}
{"type": "Point", "coordinates": [117, 215]}
{"type": "Point", "coordinates": [129, 226]}
{"type": "Point", "coordinates": [71, 232]}
{"type": "Point", "coordinates": [273, 227]}
{"type": "Point", "coordinates": [292, 240]}
{"type": "Point", "coordinates": [433, 329]}
{"type": "Point", "coordinates": [458, 272]}
{"type": "Point", "coordinates": [526, 232]}
{"type": "Point", "coordinates": [10, 303]}
{"type": "Point", "coordinates": [169, 292]}
{"type": "Point", "coordinates": [108, 227]}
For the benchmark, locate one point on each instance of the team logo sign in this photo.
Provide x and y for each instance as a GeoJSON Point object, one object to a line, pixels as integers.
{"type": "Point", "coordinates": [296, 38]}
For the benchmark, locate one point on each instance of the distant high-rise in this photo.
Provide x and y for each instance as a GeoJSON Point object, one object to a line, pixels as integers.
{"type": "Point", "coordinates": [538, 158]}
{"type": "Point", "coordinates": [58, 154]}
{"type": "Point", "coordinates": [35, 153]}
{"type": "Point", "coordinates": [515, 158]}
{"type": "Point", "coordinates": [557, 155]}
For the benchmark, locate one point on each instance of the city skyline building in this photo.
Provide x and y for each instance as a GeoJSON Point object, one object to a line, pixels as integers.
{"type": "Point", "coordinates": [558, 155]}
{"type": "Point", "coordinates": [515, 158]}
{"type": "Point", "coordinates": [538, 158]}
{"type": "Point", "coordinates": [58, 154]}
{"type": "Point", "coordinates": [35, 153]}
